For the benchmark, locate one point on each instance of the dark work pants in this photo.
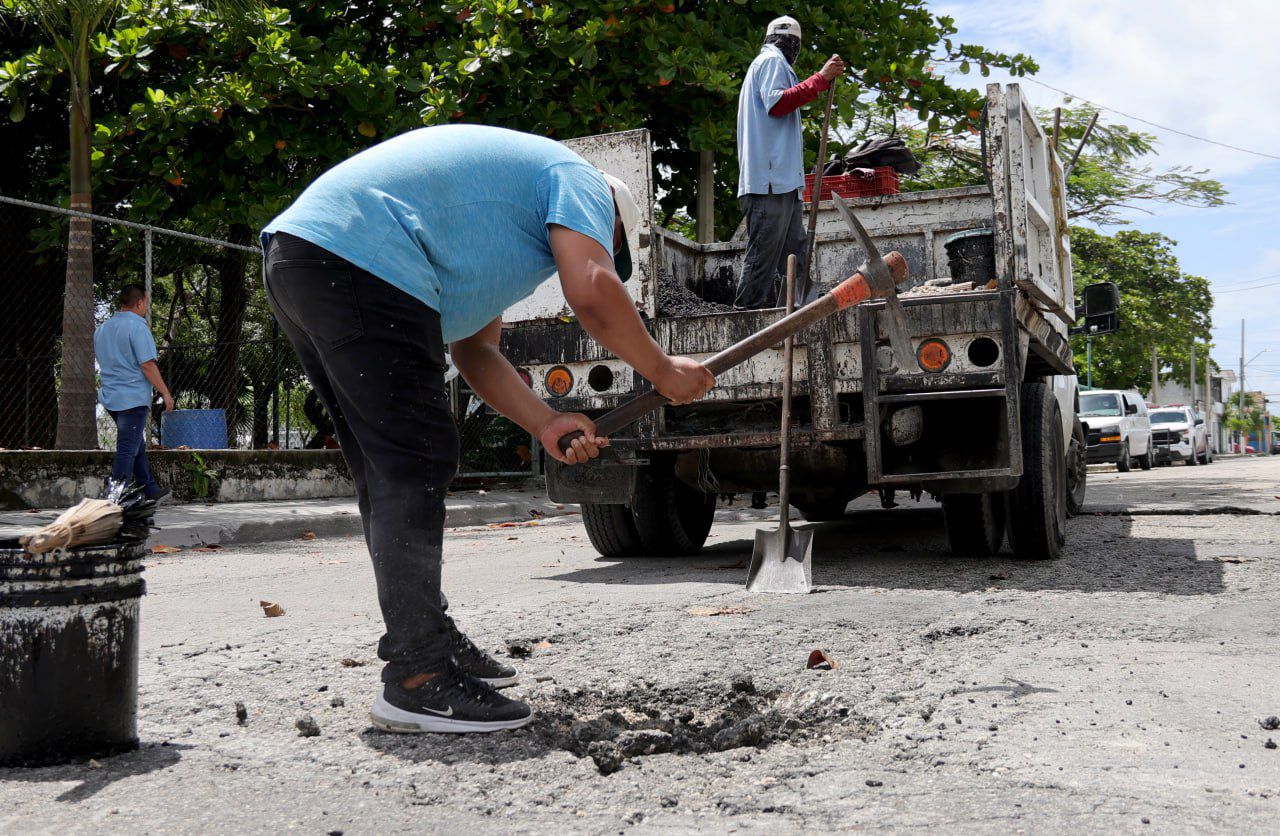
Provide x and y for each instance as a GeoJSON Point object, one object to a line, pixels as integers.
{"type": "Point", "coordinates": [131, 448]}
{"type": "Point", "coordinates": [375, 357]}
{"type": "Point", "coordinates": [775, 230]}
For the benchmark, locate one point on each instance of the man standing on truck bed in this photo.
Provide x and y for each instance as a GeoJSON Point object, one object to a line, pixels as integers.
{"type": "Point", "coordinates": [421, 240]}
{"type": "Point", "coordinates": [771, 161]}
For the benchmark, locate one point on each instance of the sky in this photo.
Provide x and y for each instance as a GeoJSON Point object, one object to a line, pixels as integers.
{"type": "Point", "coordinates": [1208, 69]}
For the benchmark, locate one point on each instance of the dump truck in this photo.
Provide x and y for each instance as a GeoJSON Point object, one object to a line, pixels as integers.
{"type": "Point", "coordinates": [985, 420]}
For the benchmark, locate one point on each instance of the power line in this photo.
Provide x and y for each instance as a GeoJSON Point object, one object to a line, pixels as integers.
{"type": "Point", "coordinates": [1230, 282]}
{"type": "Point", "coordinates": [1154, 124]}
{"type": "Point", "coordinates": [1243, 289]}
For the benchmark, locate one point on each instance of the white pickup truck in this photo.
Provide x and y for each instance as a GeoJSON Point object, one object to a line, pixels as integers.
{"type": "Point", "coordinates": [988, 424]}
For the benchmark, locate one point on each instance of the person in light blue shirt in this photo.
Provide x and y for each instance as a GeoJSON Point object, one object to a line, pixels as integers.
{"type": "Point", "coordinates": [127, 372]}
{"type": "Point", "coordinates": [422, 240]}
{"type": "Point", "coordinates": [771, 161]}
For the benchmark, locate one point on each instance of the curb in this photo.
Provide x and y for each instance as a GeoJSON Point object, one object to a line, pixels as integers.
{"type": "Point", "coordinates": [337, 524]}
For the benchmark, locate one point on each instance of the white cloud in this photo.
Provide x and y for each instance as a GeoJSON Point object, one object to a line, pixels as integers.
{"type": "Point", "coordinates": [1209, 69]}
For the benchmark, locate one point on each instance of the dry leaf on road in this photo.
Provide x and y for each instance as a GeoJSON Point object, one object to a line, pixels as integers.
{"type": "Point", "coordinates": [820, 661]}
{"type": "Point", "coordinates": [161, 548]}
{"type": "Point", "coordinates": [271, 609]}
{"type": "Point", "coordinates": [308, 535]}
{"type": "Point", "coordinates": [353, 663]}
{"type": "Point", "coordinates": [720, 610]}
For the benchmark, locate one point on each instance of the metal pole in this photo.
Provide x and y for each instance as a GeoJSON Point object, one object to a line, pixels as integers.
{"type": "Point", "coordinates": [275, 382]}
{"type": "Point", "coordinates": [1193, 377]}
{"type": "Point", "coordinates": [288, 415]}
{"type": "Point", "coordinates": [26, 408]}
{"type": "Point", "coordinates": [706, 197]}
{"type": "Point", "coordinates": [1155, 373]}
{"type": "Point", "coordinates": [1088, 361]}
{"type": "Point", "coordinates": [1245, 443]}
{"type": "Point", "coordinates": [146, 269]}
{"type": "Point", "coordinates": [1208, 396]}
{"type": "Point", "coordinates": [1087, 132]}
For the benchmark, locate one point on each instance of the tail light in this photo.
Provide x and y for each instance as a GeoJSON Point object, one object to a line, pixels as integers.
{"type": "Point", "coordinates": [559, 381]}
{"type": "Point", "coordinates": [933, 355]}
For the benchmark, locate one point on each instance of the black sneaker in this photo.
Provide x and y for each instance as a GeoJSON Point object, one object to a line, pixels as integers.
{"type": "Point", "coordinates": [476, 662]}
{"type": "Point", "coordinates": [160, 495]}
{"type": "Point", "coordinates": [449, 702]}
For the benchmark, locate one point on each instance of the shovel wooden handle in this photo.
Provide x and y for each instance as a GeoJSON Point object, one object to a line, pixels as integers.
{"type": "Point", "coordinates": [848, 293]}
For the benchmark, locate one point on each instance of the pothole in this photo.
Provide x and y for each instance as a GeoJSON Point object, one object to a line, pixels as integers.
{"type": "Point", "coordinates": [613, 727]}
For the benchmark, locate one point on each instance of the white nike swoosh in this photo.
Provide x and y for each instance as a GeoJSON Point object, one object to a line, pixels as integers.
{"type": "Point", "coordinates": [448, 713]}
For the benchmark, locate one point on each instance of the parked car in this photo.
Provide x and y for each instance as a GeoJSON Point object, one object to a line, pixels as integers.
{"type": "Point", "coordinates": [1248, 448]}
{"type": "Point", "coordinates": [1179, 435]}
{"type": "Point", "coordinates": [1117, 428]}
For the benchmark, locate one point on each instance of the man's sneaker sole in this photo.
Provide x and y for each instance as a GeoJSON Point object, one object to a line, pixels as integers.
{"type": "Point", "coordinates": [386, 717]}
{"type": "Point", "coordinates": [501, 681]}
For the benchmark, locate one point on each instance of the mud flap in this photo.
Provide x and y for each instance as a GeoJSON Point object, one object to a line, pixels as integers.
{"type": "Point", "coordinates": [606, 481]}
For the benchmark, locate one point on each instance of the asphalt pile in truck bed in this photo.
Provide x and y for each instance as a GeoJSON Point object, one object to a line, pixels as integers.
{"type": "Point", "coordinates": [674, 299]}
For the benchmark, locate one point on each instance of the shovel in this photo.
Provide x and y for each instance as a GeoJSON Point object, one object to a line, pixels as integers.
{"type": "Point", "coordinates": [782, 560]}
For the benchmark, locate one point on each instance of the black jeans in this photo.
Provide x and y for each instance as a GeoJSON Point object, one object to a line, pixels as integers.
{"type": "Point", "coordinates": [131, 449]}
{"type": "Point", "coordinates": [775, 230]}
{"type": "Point", "coordinates": [375, 357]}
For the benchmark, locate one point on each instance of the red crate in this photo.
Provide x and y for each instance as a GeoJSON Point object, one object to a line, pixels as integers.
{"type": "Point", "coordinates": [883, 180]}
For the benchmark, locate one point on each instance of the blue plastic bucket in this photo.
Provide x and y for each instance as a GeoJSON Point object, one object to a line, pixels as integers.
{"type": "Point", "coordinates": [199, 429]}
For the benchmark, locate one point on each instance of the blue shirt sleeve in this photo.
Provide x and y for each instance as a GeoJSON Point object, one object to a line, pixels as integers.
{"type": "Point", "coordinates": [142, 343]}
{"type": "Point", "coordinates": [577, 197]}
{"type": "Point", "coordinates": [774, 80]}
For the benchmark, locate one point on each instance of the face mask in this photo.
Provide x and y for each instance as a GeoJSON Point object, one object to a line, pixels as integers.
{"type": "Point", "coordinates": [789, 45]}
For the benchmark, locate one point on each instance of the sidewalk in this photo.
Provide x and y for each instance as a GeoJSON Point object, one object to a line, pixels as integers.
{"type": "Point", "coordinates": [260, 522]}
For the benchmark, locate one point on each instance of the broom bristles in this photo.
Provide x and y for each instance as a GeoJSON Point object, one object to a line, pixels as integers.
{"type": "Point", "coordinates": [89, 522]}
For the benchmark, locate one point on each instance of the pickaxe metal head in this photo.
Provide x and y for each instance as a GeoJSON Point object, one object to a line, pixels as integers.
{"type": "Point", "coordinates": [882, 284]}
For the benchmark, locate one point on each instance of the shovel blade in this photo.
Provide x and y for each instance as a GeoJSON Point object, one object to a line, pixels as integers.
{"type": "Point", "coordinates": [776, 570]}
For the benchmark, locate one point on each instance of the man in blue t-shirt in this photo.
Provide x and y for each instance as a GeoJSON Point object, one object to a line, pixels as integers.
{"type": "Point", "coordinates": [127, 370]}
{"type": "Point", "coordinates": [422, 240]}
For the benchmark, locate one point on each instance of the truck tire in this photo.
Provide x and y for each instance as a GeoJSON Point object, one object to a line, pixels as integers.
{"type": "Point", "coordinates": [612, 530]}
{"type": "Point", "coordinates": [1207, 458]}
{"type": "Point", "coordinates": [975, 522]}
{"type": "Point", "coordinates": [821, 510]}
{"type": "Point", "coordinates": [671, 518]}
{"type": "Point", "coordinates": [1077, 470]}
{"type": "Point", "coordinates": [1125, 463]}
{"type": "Point", "coordinates": [1038, 505]}
{"type": "Point", "coordinates": [1148, 460]}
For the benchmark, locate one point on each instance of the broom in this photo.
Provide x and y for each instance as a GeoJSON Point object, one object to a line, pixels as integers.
{"type": "Point", "coordinates": [123, 511]}
{"type": "Point", "coordinates": [89, 522]}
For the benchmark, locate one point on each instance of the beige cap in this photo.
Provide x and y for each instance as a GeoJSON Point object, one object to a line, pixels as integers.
{"type": "Point", "coordinates": [629, 211]}
{"type": "Point", "coordinates": [783, 26]}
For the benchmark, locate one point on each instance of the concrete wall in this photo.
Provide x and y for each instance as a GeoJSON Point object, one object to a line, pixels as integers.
{"type": "Point", "coordinates": [57, 478]}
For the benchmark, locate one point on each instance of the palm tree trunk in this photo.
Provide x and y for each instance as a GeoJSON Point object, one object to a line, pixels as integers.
{"type": "Point", "coordinates": [77, 396]}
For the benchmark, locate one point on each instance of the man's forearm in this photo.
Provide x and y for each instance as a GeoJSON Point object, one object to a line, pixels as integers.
{"type": "Point", "coordinates": [151, 372]}
{"type": "Point", "coordinates": [495, 380]}
{"type": "Point", "coordinates": [611, 318]}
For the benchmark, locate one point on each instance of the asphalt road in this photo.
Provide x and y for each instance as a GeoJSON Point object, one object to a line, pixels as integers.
{"type": "Point", "coordinates": [1120, 688]}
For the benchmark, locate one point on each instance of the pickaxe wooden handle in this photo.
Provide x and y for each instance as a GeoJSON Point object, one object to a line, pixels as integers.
{"type": "Point", "coordinates": [848, 293]}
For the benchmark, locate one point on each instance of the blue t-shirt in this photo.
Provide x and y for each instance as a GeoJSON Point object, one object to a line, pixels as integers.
{"type": "Point", "coordinates": [122, 344]}
{"type": "Point", "coordinates": [455, 216]}
{"type": "Point", "coordinates": [770, 156]}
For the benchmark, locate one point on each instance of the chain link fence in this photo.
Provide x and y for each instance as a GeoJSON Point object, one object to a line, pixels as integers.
{"type": "Point", "coordinates": [233, 376]}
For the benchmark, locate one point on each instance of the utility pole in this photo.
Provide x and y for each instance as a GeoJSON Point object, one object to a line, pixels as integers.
{"type": "Point", "coordinates": [1245, 442]}
{"type": "Point", "coordinates": [1193, 377]}
{"type": "Point", "coordinates": [1155, 374]}
{"type": "Point", "coordinates": [1088, 361]}
{"type": "Point", "coordinates": [1208, 397]}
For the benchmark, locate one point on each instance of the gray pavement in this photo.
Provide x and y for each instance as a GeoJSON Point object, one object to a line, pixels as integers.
{"type": "Point", "coordinates": [1118, 689]}
{"type": "Point", "coordinates": [232, 523]}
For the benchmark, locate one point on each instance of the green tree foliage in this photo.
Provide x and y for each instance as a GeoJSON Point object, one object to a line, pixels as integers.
{"type": "Point", "coordinates": [1111, 175]}
{"type": "Point", "coordinates": [222, 128]}
{"type": "Point", "coordinates": [1160, 307]}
